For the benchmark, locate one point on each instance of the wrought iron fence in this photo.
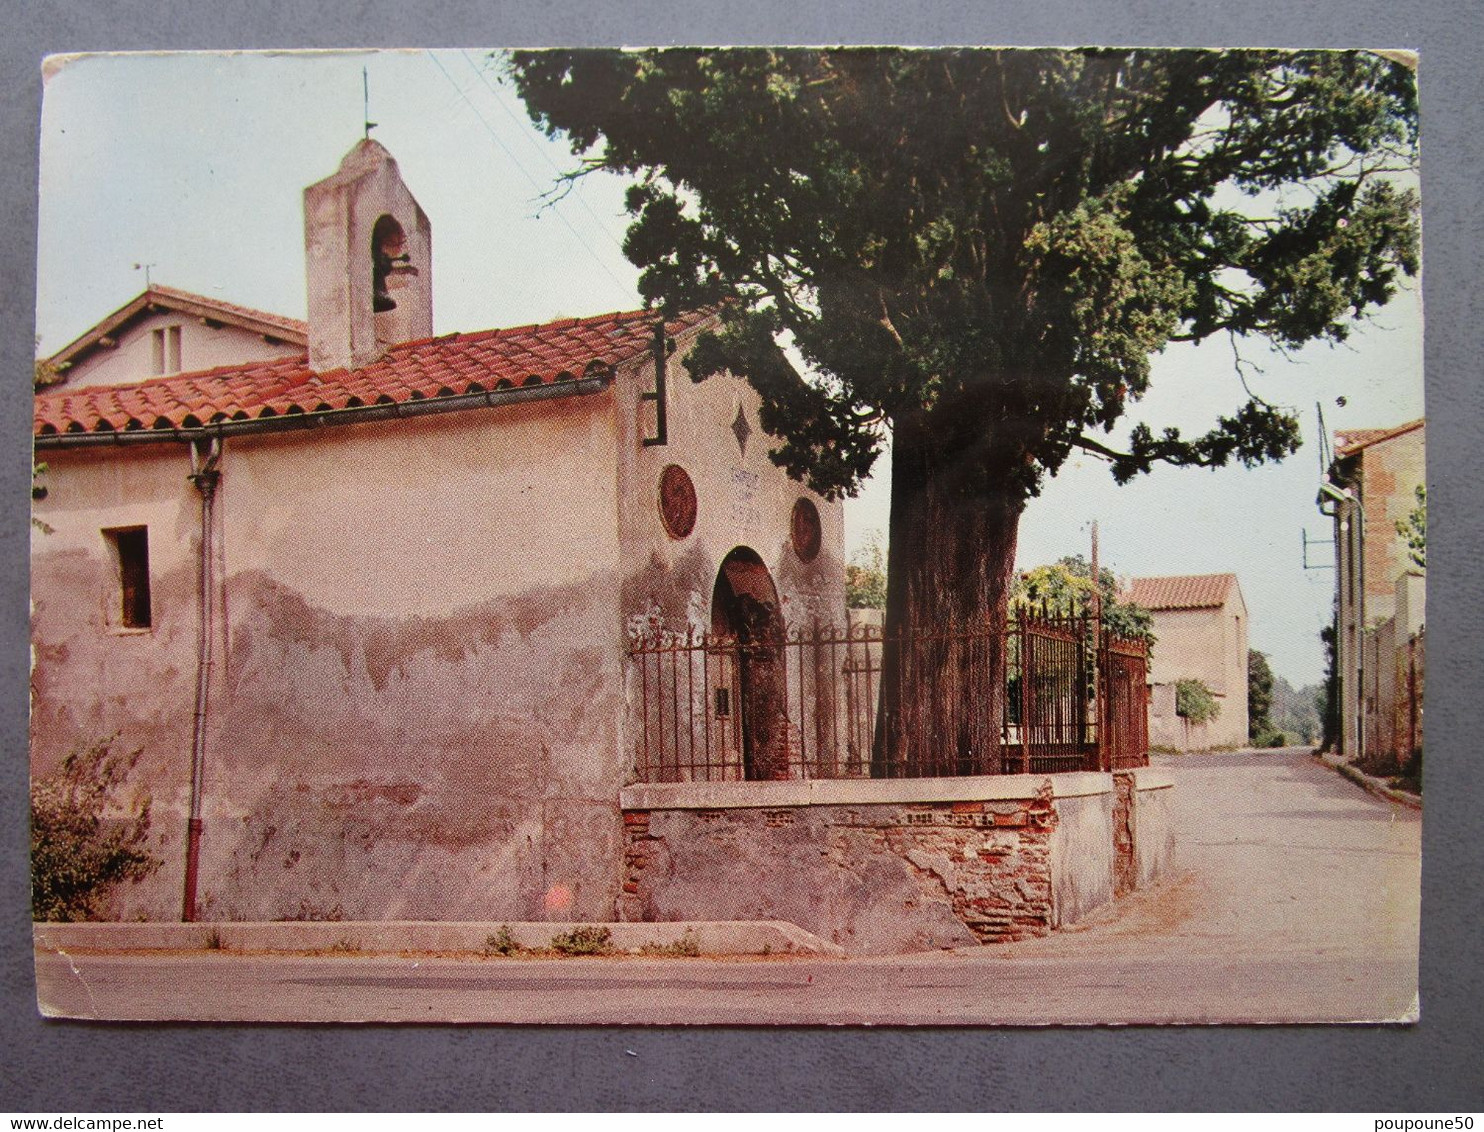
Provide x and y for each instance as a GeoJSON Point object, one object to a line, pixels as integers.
{"type": "Point", "coordinates": [807, 704]}
{"type": "Point", "coordinates": [1124, 705]}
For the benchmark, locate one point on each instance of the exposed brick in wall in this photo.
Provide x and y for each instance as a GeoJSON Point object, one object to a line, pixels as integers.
{"type": "Point", "coordinates": [637, 846]}
{"type": "Point", "coordinates": [993, 858]}
{"type": "Point", "coordinates": [872, 877]}
{"type": "Point", "coordinates": [1125, 866]}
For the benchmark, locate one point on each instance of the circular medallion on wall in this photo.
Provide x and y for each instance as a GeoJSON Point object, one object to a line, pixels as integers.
{"type": "Point", "coordinates": [677, 501]}
{"type": "Point", "coordinates": [805, 530]}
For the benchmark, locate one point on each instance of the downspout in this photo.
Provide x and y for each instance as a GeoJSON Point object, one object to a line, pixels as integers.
{"type": "Point", "coordinates": [205, 456]}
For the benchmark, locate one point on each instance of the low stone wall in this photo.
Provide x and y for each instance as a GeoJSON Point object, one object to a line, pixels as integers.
{"type": "Point", "coordinates": [1082, 847]}
{"type": "Point", "coordinates": [876, 866]}
{"type": "Point", "coordinates": [1153, 824]}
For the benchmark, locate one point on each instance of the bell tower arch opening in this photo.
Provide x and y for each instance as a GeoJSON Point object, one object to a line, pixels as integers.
{"type": "Point", "coordinates": [745, 610]}
{"type": "Point", "coordinates": [388, 257]}
{"type": "Point", "coordinates": [368, 261]}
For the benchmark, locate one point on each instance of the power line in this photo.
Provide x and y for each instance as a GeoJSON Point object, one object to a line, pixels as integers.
{"type": "Point", "coordinates": [624, 287]}
{"type": "Point", "coordinates": [539, 148]}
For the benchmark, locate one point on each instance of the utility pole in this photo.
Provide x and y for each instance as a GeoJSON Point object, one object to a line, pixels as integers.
{"type": "Point", "coordinates": [1097, 589]}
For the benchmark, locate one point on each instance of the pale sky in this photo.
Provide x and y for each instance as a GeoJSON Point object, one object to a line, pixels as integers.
{"type": "Point", "coordinates": [196, 164]}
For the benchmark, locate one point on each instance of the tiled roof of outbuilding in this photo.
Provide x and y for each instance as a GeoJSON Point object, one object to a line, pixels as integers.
{"type": "Point", "coordinates": [1181, 591]}
{"type": "Point", "coordinates": [411, 371]}
{"type": "Point", "coordinates": [1350, 441]}
{"type": "Point", "coordinates": [158, 297]}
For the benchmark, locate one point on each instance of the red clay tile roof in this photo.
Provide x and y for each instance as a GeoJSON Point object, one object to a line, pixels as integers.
{"type": "Point", "coordinates": [1181, 591]}
{"type": "Point", "coordinates": [296, 327]}
{"type": "Point", "coordinates": [159, 297]}
{"type": "Point", "coordinates": [412, 371]}
{"type": "Point", "coordinates": [1350, 441]}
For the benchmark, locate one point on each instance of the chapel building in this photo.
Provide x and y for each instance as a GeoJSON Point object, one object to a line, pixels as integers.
{"type": "Point", "coordinates": [364, 598]}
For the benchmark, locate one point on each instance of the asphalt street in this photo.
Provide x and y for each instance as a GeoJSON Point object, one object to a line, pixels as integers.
{"type": "Point", "coordinates": [1295, 898]}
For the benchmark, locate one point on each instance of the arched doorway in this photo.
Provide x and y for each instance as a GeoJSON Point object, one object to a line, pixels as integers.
{"type": "Point", "coordinates": [745, 609]}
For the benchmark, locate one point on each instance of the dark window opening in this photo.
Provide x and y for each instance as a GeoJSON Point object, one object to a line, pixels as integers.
{"type": "Point", "coordinates": [130, 547]}
{"type": "Point", "coordinates": [165, 349]}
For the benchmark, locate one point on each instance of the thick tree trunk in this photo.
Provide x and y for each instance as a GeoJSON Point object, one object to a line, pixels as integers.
{"type": "Point", "coordinates": [954, 517]}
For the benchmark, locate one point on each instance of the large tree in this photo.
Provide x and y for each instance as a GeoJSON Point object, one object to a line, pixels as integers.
{"type": "Point", "coordinates": [977, 252]}
{"type": "Point", "coordinates": [1260, 729]}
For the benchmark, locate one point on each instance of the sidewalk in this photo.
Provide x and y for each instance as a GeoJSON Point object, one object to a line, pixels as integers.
{"type": "Point", "coordinates": [1377, 786]}
{"type": "Point", "coordinates": [427, 937]}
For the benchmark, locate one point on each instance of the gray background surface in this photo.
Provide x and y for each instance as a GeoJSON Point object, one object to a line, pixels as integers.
{"type": "Point", "coordinates": [1434, 1066]}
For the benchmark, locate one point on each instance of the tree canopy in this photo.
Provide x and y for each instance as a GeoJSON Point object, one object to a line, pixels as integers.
{"type": "Point", "coordinates": [1064, 588]}
{"type": "Point", "coordinates": [1261, 731]}
{"type": "Point", "coordinates": [977, 252]}
{"type": "Point", "coordinates": [1010, 233]}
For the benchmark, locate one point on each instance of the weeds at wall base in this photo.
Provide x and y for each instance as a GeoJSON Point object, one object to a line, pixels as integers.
{"type": "Point", "coordinates": [502, 943]}
{"type": "Point", "coordinates": [587, 939]}
{"type": "Point", "coordinates": [685, 947]}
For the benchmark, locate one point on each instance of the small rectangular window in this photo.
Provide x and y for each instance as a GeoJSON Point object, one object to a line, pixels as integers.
{"type": "Point", "coordinates": [165, 349]}
{"type": "Point", "coordinates": [130, 546]}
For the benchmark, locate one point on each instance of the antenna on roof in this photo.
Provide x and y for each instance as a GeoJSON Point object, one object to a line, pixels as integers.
{"type": "Point", "coordinates": [366, 103]}
{"type": "Point", "coordinates": [144, 267]}
{"type": "Point", "coordinates": [1326, 457]}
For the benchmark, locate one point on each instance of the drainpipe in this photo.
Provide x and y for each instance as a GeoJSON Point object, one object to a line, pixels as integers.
{"type": "Point", "coordinates": [205, 457]}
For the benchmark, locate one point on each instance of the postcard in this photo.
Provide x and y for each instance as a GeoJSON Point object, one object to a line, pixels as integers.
{"type": "Point", "coordinates": [861, 536]}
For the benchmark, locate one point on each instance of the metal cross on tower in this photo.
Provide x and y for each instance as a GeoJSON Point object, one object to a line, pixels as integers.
{"type": "Point", "coordinates": [366, 103]}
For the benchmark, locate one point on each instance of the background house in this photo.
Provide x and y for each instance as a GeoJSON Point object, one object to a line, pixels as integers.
{"type": "Point", "coordinates": [1380, 592]}
{"type": "Point", "coordinates": [165, 331]}
{"type": "Point", "coordinates": [363, 597]}
{"type": "Point", "coordinates": [1200, 630]}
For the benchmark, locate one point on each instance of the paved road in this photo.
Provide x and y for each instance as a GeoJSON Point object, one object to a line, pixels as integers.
{"type": "Point", "coordinates": [1296, 898]}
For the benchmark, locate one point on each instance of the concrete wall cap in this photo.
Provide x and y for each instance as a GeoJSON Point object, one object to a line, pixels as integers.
{"type": "Point", "coordinates": [858, 791]}
{"type": "Point", "coordinates": [1074, 784]}
{"type": "Point", "coordinates": [1149, 778]}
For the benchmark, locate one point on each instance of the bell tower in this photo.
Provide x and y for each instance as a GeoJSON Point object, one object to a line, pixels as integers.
{"type": "Point", "coordinates": [368, 254]}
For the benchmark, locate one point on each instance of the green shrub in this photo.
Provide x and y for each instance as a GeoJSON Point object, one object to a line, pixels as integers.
{"type": "Point", "coordinates": [78, 853]}
{"type": "Point", "coordinates": [1411, 775]}
{"type": "Point", "coordinates": [865, 576]}
{"type": "Point", "coordinates": [502, 943]}
{"type": "Point", "coordinates": [588, 939]}
{"type": "Point", "coordinates": [1195, 702]}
